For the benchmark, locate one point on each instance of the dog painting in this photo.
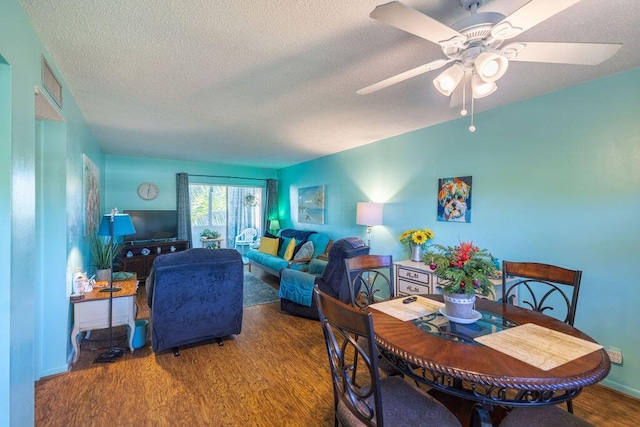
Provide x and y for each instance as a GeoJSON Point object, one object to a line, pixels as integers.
{"type": "Point", "coordinates": [454, 199]}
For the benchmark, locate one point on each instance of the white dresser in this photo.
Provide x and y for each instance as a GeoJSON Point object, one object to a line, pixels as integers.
{"type": "Point", "coordinates": [413, 277]}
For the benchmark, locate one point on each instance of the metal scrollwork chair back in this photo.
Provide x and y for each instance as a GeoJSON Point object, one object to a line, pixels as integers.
{"type": "Point", "coordinates": [369, 400]}
{"type": "Point", "coordinates": [538, 284]}
{"type": "Point", "coordinates": [370, 279]}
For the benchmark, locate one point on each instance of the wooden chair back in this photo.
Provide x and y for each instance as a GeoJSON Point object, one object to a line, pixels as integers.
{"type": "Point", "coordinates": [342, 325]}
{"type": "Point", "coordinates": [370, 279]}
{"type": "Point", "coordinates": [538, 285]}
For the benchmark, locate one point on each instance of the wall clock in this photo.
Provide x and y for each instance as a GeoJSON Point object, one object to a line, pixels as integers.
{"type": "Point", "coordinates": [148, 190]}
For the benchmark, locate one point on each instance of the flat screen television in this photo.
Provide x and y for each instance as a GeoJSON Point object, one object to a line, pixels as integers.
{"type": "Point", "coordinates": [153, 226]}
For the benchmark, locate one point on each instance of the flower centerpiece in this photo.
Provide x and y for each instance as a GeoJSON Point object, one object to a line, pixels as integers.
{"type": "Point", "coordinates": [466, 270]}
{"type": "Point", "coordinates": [417, 240]}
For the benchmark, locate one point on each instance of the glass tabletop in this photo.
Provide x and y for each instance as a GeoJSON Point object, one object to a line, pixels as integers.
{"type": "Point", "coordinates": [438, 324]}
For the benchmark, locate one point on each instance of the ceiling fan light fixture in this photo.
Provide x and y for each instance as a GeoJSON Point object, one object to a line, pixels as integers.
{"type": "Point", "coordinates": [490, 66]}
{"type": "Point", "coordinates": [480, 88]}
{"type": "Point", "coordinates": [449, 79]}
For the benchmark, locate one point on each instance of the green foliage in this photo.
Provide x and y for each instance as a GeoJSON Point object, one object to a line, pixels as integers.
{"type": "Point", "coordinates": [208, 204]}
{"type": "Point", "coordinates": [465, 268]}
{"type": "Point", "coordinates": [208, 234]}
{"type": "Point", "coordinates": [103, 252]}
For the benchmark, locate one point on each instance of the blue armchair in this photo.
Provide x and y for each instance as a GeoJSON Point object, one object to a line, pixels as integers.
{"type": "Point", "coordinates": [194, 295]}
{"type": "Point", "coordinates": [296, 287]}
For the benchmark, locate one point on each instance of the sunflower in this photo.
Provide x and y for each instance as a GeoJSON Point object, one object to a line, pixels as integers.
{"type": "Point", "coordinates": [405, 234]}
{"type": "Point", "coordinates": [416, 236]}
{"type": "Point", "coordinates": [419, 237]}
{"type": "Point", "coordinates": [428, 233]}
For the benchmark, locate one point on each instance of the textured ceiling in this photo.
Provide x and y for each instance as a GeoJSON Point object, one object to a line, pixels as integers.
{"type": "Point", "coordinates": [272, 83]}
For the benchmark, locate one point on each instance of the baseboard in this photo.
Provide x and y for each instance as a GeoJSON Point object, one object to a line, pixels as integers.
{"type": "Point", "coordinates": [621, 388]}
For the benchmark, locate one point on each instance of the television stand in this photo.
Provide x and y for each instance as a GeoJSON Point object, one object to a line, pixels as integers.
{"type": "Point", "coordinates": [133, 259]}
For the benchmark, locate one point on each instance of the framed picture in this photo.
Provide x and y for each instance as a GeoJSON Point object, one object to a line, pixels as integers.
{"type": "Point", "coordinates": [90, 195]}
{"type": "Point", "coordinates": [311, 205]}
{"type": "Point", "coordinates": [454, 199]}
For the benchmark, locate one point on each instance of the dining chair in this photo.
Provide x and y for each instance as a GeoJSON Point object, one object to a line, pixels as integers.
{"type": "Point", "coordinates": [543, 416]}
{"type": "Point", "coordinates": [540, 286]}
{"type": "Point", "coordinates": [370, 280]}
{"type": "Point", "coordinates": [543, 288]}
{"type": "Point", "coordinates": [369, 400]}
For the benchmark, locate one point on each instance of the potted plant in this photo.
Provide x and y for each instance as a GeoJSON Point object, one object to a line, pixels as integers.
{"type": "Point", "coordinates": [103, 252]}
{"type": "Point", "coordinates": [208, 234]}
{"type": "Point", "coordinates": [417, 240]}
{"type": "Point", "coordinates": [466, 271]}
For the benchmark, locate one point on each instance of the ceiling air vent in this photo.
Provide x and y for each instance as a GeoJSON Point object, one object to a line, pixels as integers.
{"type": "Point", "coordinates": [50, 83]}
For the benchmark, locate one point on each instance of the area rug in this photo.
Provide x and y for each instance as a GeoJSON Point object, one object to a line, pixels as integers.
{"type": "Point", "coordinates": [257, 292]}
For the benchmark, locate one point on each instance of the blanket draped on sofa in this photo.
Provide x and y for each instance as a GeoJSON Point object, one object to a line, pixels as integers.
{"type": "Point", "coordinates": [333, 281]}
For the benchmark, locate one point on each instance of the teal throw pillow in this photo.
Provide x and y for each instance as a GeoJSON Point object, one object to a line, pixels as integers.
{"type": "Point", "coordinates": [283, 246]}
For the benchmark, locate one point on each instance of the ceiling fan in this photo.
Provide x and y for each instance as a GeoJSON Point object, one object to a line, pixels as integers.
{"type": "Point", "coordinates": [474, 46]}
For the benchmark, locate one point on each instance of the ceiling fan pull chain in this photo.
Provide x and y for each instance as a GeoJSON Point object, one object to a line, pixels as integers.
{"type": "Point", "coordinates": [463, 112]}
{"type": "Point", "coordinates": [472, 128]}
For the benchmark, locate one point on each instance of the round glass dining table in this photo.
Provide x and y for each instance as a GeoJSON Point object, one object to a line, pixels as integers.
{"type": "Point", "coordinates": [446, 356]}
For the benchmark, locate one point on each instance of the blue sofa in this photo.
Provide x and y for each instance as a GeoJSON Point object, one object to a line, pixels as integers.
{"type": "Point", "coordinates": [194, 295]}
{"type": "Point", "coordinates": [274, 264]}
{"type": "Point", "coordinates": [296, 287]}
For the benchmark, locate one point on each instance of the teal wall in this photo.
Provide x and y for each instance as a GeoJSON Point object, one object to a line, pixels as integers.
{"type": "Point", "coordinates": [5, 244]}
{"type": "Point", "coordinates": [555, 180]}
{"type": "Point", "coordinates": [40, 218]}
{"type": "Point", "coordinates": [124, 174]}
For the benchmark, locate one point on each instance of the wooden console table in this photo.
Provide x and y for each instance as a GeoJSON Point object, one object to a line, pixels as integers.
{"type": "Point", "coordinates": [92, 312]}
{"type": "Point", "coordinates": [134, 257]}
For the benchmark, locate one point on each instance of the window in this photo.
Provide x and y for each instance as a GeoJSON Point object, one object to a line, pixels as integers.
{"type": "Point", "coordinates": [225, 209]}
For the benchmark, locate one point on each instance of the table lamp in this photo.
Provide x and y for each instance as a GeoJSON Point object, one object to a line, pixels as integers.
{"type": "Point", "coordinates": [112, 225]}
{"type": "Point", "coordinates": [274, 224]}
{"type": "Point", "coordinates": [369, 214]}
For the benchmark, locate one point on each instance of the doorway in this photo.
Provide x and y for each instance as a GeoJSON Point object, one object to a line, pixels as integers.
{"type": "Point", "coordinates": [226, 210]}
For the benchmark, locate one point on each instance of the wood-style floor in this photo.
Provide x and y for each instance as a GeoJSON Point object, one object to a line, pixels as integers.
{"type": "Point", "coordinates": [275, 373]}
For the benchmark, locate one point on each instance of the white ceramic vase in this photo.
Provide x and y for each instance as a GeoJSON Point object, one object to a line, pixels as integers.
{"type": "Point", "coordinates": [459, 305]}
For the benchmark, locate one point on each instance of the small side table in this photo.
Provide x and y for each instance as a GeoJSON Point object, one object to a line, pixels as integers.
{"type": "Point", "coordinates": [217, 242]}
{"type": "Point", "coordinates": [92, 311]}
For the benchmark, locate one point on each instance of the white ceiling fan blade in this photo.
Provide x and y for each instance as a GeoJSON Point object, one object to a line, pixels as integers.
{"type": "Point", "coordinates": [561, 53]}
{"type": "Point", "coordinates": [529, 15]}
{"type": "Point", "coordinates": [438, 63]}
{"type": "Point", "coordinates": [410, 20]}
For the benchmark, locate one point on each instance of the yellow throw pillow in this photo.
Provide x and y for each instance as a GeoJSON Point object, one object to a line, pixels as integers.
{"type": "Point", "coordinates": [288, 254]}
{"type": "Point", "coordinates": [268, 245]}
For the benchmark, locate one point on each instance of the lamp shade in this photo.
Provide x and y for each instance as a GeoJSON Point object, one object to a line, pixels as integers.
{"type": "Point", "coordinates": [274, 224]}
{"type": "Point", "coordinates": [449, 79]}
{"type": "Point", "coordinates": [369, 213]}
{"type": "Point", "coordinates": [122, 225]}
{"type": "Point", "coordinates": [480, 88]}
{"type": "Point", "coordinates": [490, 66]}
